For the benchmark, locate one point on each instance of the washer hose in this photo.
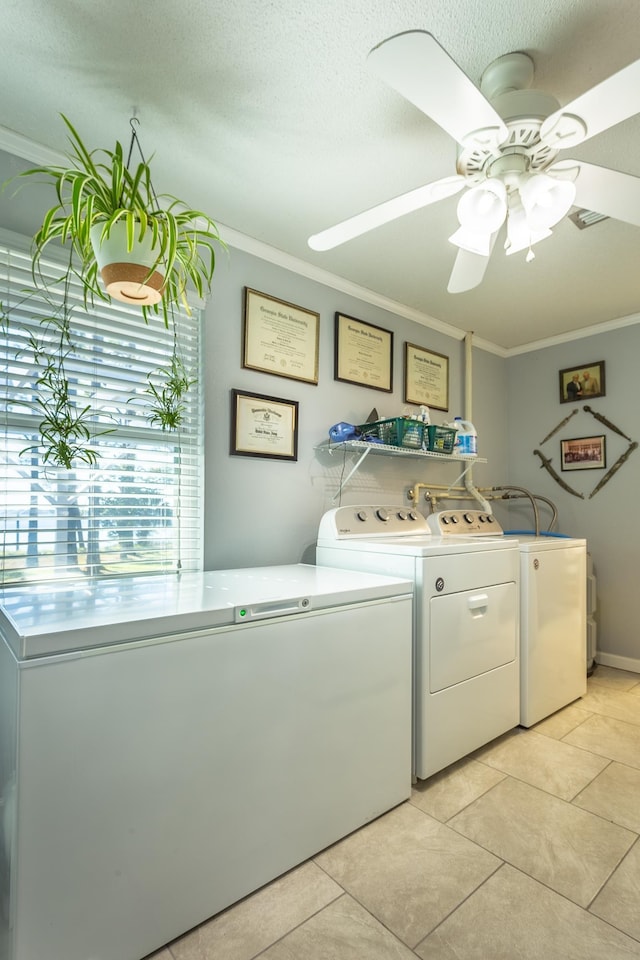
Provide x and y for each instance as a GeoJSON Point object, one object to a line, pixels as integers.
{"type": "Point", "coordinates": [534, 505]}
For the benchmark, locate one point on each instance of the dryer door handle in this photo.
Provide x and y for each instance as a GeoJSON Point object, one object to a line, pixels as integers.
{"type": "Point", "coordinates": [478, 604]}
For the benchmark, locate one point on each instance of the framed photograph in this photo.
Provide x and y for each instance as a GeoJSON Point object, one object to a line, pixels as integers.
{"type": "Point", "coordinates": [583, 453]}
{"type": "Point", "coordinates": [582, 383]}
{"type": "Point", "coordinates": [280, 337]}
{"type": "Point", "coordinates": [363, 354]}
{"type": "Point", "coordinates": [263, 426]}
{"type": "Point", "coordinates": [426, 377]}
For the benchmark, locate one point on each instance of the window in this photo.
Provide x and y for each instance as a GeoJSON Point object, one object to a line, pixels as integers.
{"type": "Point", "coordinates": [138, 509]}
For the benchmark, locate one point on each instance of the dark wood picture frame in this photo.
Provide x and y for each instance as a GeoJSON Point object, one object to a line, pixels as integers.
{"type": "Point", "coordinates": [263, 426]}
{"type": "Point", "coordinates": [426, 377]}
{"type": "Point", "coordinates": [583, 453]}
{"type": "Point", "coordinates": [279, 337]}
{"type": "Point", "coordinates": [584, 382]}
{"type": "Point", "coordinates": [363, 353]}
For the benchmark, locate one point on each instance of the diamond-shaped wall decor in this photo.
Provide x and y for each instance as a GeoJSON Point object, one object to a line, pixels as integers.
{"type": "Point", "coordinates": [546, 461]}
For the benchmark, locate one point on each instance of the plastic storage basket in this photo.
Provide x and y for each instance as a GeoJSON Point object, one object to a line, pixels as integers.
{"type": "Point", "coordinates": [439, 439]}
{"type": "Point", "coordinates": [396, 432]}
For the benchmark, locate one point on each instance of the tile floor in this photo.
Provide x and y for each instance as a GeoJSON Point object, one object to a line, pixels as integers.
{"type": "Point", "coordinates": [527, 850]}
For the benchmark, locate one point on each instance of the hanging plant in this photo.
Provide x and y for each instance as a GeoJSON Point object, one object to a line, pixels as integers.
{"type": "Point", "coordinates": [102, 204]}
{"type": "Point", "coordinates": [167, 404]}
{"type": "Point", "coordinates": [66, 430]}
{"type": "Point", "coordinates": [124, 242]}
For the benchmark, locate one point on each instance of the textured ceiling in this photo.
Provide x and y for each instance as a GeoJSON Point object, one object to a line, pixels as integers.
{"type": "Point", "coordinates": [263, 113]}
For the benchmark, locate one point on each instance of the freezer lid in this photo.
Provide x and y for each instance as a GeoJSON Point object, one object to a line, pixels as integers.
{"type": "Point", "coordinates": [44, 619]}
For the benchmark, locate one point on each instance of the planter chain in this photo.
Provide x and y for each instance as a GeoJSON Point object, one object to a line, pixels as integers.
{"type": "Point", "coordinates": [135, 140]}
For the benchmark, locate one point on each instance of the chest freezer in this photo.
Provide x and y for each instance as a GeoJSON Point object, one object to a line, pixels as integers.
{"type": "Point", "coordinates": [169, 744]}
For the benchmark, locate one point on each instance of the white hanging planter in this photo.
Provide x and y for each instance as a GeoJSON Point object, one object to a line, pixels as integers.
{"type": "Point", "coordinates": [125, 273]}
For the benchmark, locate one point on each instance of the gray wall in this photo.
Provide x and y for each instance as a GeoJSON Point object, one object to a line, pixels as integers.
{"type": "Point", "coordinates": [609, 520]}
{"type": "Point", "coordinates": [267, 511]}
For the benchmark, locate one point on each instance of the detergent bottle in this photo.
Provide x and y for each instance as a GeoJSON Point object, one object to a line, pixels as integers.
{"type": "Point", "coordinates": [466, 442]}
{"type": "Point", "coordinates": [425, 417]}
{"type": "Point", "coordinates": [413, 430]}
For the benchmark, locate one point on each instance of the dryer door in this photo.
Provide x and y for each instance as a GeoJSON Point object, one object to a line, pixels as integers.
{"type": "Point", "coordinates": [471, 633]}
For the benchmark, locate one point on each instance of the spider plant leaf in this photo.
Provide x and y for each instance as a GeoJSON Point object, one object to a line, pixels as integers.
{"type": "Point", "coordinates": [79, 148]}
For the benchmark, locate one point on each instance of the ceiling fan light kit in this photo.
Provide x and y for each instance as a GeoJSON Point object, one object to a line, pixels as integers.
{"type": "Point", "coordinates": [520, 235]}
{"type": "Point", "coordinates": [546, 200]}
{"type": "Point", "coordinates": [509, 138]}
{"type": "Point", "coordinates": [483, 208]}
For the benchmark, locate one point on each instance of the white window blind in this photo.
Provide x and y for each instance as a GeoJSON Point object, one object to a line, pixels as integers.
{"type": "Point", "coordinates": [138, 509]}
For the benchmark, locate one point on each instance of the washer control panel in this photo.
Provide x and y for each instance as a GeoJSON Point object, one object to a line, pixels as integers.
{"type": "Point", "coordinates": [464, 523]}
{"type": "Point", "coordinates": [371, 520]}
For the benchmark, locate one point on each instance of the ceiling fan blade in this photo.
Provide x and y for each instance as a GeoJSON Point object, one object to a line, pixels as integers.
{"type": "Point", "coordinates": [418, 68]}
{"type": "Point", "coordinates": [385, 212]}
{"type": "Point", "coordinates": [605, 191]}
{"type": "Point", "coordinates": [615, 99]}
{"type": "Point", "coordinates": [468, 271]}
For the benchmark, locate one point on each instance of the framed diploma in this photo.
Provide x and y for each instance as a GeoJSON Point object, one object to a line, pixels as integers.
{"type": "Point", "coordinates": [280, 338]}
{"type": "Point", "coordinates": [263, 426]}
{"type": "Point", "coordinates": [426, 377]}
{"type": "Point", "coordinates": [363, 354]}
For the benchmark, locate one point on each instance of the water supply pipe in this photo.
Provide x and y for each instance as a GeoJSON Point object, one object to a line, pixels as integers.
{"type": "Point", "coordinates": [468, 410]}
{"type": "Point", "coordinates": [441, 491]}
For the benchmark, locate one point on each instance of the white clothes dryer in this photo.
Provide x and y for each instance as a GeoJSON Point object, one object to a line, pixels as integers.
{"type": "Point", "coordinates": [553, 627]}
{"type": "Point", "coordinates": [466, 626]}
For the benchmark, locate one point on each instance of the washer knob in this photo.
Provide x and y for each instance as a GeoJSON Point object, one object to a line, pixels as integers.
{"type": "Point", "coordinates": [382, 514]}
{"type": "Point", "coordinates": [413, 515]}
{"type": "Point", "coordinates": [454, 519]}
{"type": "Point", "coordinates": [402, 514]}
{"type": "Point", "coordinates": [468, 518]}
{"type": "Point", "coordinates": [361, 515]}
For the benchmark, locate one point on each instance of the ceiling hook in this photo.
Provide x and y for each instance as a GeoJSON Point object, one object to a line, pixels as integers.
{"type": "Point", "coordinates": [133, 123]}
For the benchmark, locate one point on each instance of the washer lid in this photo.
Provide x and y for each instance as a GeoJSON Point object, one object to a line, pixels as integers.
{"type": "Point", "coordinates": [419, 546]}
{"type": "Point", "coordinates": [529, 543]}
{"type": "Point", "coordinates": [39, 620]}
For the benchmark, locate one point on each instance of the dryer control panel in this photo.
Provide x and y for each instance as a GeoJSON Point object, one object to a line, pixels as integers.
{"type": "Point", "coordinates": [372, 520]}
{"type": "Point", "coordinates": [464, 523]}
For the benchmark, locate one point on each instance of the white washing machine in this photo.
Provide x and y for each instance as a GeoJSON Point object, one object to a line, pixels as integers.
{"type": "Point", "coordinates": [553, 629]}
{"type": "Point", "coordinates": [466, 625]}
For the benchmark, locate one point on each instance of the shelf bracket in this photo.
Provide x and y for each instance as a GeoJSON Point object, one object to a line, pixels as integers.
{"type": "Point", "coordinates": [345, 481]}
{"type": "Point", "coordinates": [461, 477]}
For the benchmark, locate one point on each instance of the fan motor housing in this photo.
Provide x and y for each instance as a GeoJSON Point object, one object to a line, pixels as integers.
{"type": "Point", "coordinates": [523, 112]}
{"type": "Point", "coordinates": [505, 83]}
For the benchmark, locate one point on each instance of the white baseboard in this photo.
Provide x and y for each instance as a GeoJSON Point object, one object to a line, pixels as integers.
{"type": "Point", "coordinates": [620, 663]}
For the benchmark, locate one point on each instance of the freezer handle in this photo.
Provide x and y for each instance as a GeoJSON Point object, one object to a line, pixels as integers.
{"type": "Point", "coordinates": [273, 608]}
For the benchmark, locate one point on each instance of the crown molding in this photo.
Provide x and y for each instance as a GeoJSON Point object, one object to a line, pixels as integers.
{"type": "Point", "coordinates": [594, 330]}
{"type": "Point", "coordinates": [31, 150]}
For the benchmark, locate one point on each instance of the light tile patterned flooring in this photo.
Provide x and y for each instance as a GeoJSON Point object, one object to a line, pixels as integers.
{"type": "Point", "coordinates": [527, 850]}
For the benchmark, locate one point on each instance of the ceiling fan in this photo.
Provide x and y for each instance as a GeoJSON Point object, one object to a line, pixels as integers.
{"type": "Point", "coordinates": [509, 140]}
